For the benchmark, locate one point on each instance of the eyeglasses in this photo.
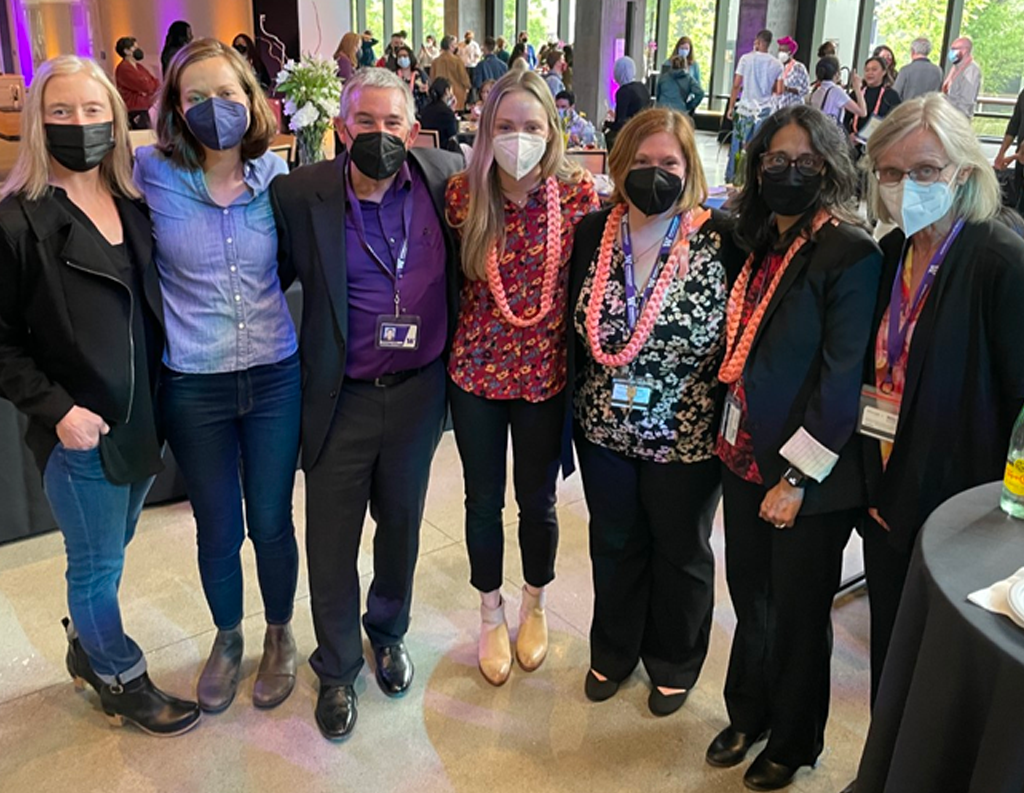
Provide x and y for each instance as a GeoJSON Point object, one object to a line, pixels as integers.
{"type": "Point", "coordinates": [777, 162]}
{"type": "Point", "coordinates": [920, 174]}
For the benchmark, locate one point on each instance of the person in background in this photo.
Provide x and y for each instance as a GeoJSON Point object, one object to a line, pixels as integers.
{"type": "Point", "coordinates": [963, 81]}
{"type": "Point", "coordinates": [796, 83]}
{"type": "Point", "coordinates": [81, 333]}
{"type": "Point", "coordinates": [500, 52]}
{"type": "Point", "coordinates": [347, 56]}
{"type": "Point", "coordinates": [650, 474]}
{"type": "Point", "coordinates": [579, 132]}
{"type": "Point", "coordinates": [178, 35]}
{"type": "Point", "coordinates": [831, 99]}
{"type": "Point", "coordinates": [554, 60]}
{"type": "Point", "coordinates": [879, 99]}
{"type": "Point", "coordinates": [428, 51]}
{"type": "Point", "coordinates": [889, 58]}
{"type": "Point", "coordinates": [388, 59]}
{"type": "Point", "coordinates": [631, 97]}
{"type": "Point", "coordinates": [438, 115]}
{"type": "Point", "coordinates": [567, 52]}
{"type": "Point", "coordinates": [682, 58]}
{"type": "Point", "coordinates": [230, 387]}
{"type": "Point", "coordinates": [246, 47]}
{"type": "Point", "coordinates": [469, 53]}
{"type": "Point", "coordinates": [413, 76]}
{"type": "Point", "coordinates": [138, 88]}
{"type": "Point", "coordinates": [920, 76]}
{"type": "Point", "coordinates": [827, 50]}
{"type": "Point", "coordinates": [518, 54]}
{"type": "Point", "coordinates": [448, 66]}
{"type": "Point", "coordinates": [485, 91]}
{"type": "Point", "coordinates": [1014, 135]}
{"type": "Point", "coordinates": [679, 82]}
{"type": "Point", "coordinates": [750, 103]}
{"type": "Point", "coordinates": [515, 210]}
{"type": "Point", "coordinates": [799, 322]}
{"type": "Point", "coordinates": [490, 68]}
{"type": "Point", "coordinates": [366, 54]}
{"type": "Point", "coordinates": [530, 53]}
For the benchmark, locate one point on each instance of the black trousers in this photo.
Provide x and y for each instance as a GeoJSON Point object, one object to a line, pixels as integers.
{"type": "Point", "coordinates": [653, 567]}
{"type": "Point", "coordinates": [378, 452]}
{"type": "Point", "coordinates": [481, 433]}
{"type": "Point", "coordinates": [781, 582]}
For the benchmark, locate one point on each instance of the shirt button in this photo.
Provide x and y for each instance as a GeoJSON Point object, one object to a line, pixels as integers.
{"type": "Point", "coordinates": [238, 298]}
{"type": "Point", "coordinates": [230, 240]}
{"type": "Point", "coordinates": [233, 268]}
{"type": "Point", "coordinates": [333, 394]}
{"type": "Point", "coordinates": [391, 240]}
{"type": "Point", "coordinates": [241, 326]}
{"type": "Point", "coordinates": [227, 211]}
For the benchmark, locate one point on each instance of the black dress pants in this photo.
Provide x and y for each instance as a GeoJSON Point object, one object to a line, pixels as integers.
{"type": "Point", "coordinates": [781, 582]}
{"type": "Point", "coordinates": [481, 433]}
{"type": "Point", "coordinates": [653, 567]}
{"type": "Point", "coordinates": [378, 452]}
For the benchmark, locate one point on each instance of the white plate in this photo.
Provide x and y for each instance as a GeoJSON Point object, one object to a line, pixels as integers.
{"type": "Point", "coordinates": [1015, 599]}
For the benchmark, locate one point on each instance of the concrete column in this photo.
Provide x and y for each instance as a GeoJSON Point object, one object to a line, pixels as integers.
{"type": "Point", "coordinates": [599, 40]}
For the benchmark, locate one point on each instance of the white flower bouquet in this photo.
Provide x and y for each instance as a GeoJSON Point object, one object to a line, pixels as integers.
{"type": "Point", "coordinates": [312, 93]}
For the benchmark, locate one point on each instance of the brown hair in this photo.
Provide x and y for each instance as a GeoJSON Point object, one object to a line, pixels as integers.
{"type": "Point", "coordinates": [176, 140]}
{"type": "Point", "coordinates": [349, 47]}
{"type": "Point", "coordinates": [640, 128]}
{"type": "Point", "coordinates": [677, 62]}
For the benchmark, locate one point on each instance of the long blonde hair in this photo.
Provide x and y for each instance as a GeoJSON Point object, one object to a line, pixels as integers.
{"type": "Point", "coordinates": [484, 225]}
{"type": "Point", "coordinates": [30, 175]}
{"type": "Point", "coordinates": [348, 46]}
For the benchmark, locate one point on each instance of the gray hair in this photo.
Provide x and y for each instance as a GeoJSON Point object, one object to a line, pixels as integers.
{"type": "Point", "coordinates": [624, 70]}
{"type": "Point", "coordinates": [921, 46]}
{"type": "Point", "coordinates": [376, 78]}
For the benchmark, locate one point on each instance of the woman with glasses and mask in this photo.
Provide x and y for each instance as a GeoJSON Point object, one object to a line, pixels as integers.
{"type": "Point", "coordinates": [515, 209]}
{"type": "Point", "coordinates": [647, 296]}
{"type": "Point", "coordinates": [945, 359]}
{"type": "Point", "coordinates": [798, 326]}
{"type": "Point", "coordinates": [81, 332]}
{"type": "Point", "coordinates": [230, 391]}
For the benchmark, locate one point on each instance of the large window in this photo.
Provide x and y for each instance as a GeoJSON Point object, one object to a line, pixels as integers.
{"type": "Point", "coordinates": [997, 29]}
{"type": "Point", "coordinates": [725, 67]}
{"type": "Point", "coordinates": [899, 22]}
{"type": "Point", "coordinates": [542, 21]}
{"type": "Point", "coordinates": [696, 19]}
{"type": "Point", "coordinates": [403, 21]}
{"type": "Point", "coordinates": [842, 18]}
{"type": "Point", "coordinates": [433, 20]}
{"type": "Point", "coordinates": [510, 24]}
{"type": "Point", "coordinates": [375, 24]}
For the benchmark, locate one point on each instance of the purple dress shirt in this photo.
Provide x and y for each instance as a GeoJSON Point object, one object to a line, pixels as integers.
{"type": "Point", "coordinates": [371, 291]}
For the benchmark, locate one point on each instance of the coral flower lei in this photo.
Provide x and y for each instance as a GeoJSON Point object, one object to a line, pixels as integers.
{"type": "Point", "coordinates": [678, 262]}
{"type": "Point", "coordinates": [552, 264]}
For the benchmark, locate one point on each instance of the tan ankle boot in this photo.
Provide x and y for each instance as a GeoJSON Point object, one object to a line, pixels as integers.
{"type": "Point", "coordinates": [495, 649]}
{"type": "Point", "coordinates": [532, 641]}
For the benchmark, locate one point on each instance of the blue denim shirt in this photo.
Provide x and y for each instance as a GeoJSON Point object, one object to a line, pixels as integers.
{"type": "Point", "coordinates": [223, 305]}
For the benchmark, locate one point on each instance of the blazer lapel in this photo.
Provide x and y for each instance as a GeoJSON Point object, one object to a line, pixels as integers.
{"type": "Point", "coordinates": [328, 219]}
{"type": "Point", "coordinates": [796, 266]}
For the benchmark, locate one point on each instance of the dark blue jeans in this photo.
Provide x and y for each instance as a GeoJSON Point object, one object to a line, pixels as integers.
{"type": "Point", "coordinates": [235, 436]}
{"type": "Point", "coordinates": [97, 519]}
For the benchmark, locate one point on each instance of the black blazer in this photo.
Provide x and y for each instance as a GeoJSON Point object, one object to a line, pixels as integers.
{"type": "Point", "coordinates": [309, 208]}
{"type": "Point", "coordinates": [965, 379]}
{"type": "Point", "coordinates": [65, 315]}
{"type": "Point", "coordinates": [805, 366]}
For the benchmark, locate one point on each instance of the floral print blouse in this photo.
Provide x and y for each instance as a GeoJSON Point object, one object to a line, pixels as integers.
{"type": "Point", "coordinates": [680, 361]}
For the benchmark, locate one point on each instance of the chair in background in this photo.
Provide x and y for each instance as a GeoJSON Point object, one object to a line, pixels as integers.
{"type": "Point", "coordinates": [427, 139]}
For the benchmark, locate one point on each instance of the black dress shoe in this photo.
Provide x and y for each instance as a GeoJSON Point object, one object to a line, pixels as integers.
{"type": "Point", "coordinates": [765, 774]}
{"type": "Point", "coordinates": [394, 669]}
{"type": "Point", "coordinates": [141, 703]}
{"type": "Point", "coordinates": [665, 704]}
{"type": "Point", "coordinates": [730, 747]}
{"type": "Point", "coordinates": [336, 711]}
{"type": "Point", "coordinates": [599, 690]}
{"type": "Point", "coordinates": [77, 663]}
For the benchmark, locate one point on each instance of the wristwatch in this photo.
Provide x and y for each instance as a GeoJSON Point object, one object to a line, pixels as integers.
{"type": "Point", "coordinates": [794, 477]}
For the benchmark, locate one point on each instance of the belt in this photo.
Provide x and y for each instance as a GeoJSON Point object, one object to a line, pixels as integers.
{"type": "Point", "coordinates": [388, 380]}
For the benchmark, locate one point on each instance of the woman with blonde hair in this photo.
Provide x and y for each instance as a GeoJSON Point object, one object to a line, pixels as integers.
{"type": "Point", "coordinates": [647, 297]}
{"type": "Point", "coordinates": [81, 333]}
{"type": "Point", "coordinates": [946, 337]}
{"type": "Point", "coordinates": [515, 209]}
{"type": "Point", "coordinates": [347, 55]}
{"type": "Point", "coordinates": [230, 387]}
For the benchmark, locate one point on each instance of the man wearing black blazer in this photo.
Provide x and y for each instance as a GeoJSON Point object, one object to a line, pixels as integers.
{"type": "Point", "coordinates": [365, 236]}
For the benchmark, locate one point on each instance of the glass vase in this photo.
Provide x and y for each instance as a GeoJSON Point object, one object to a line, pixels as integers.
{"type": "Point", "coordinates": [310, 144]}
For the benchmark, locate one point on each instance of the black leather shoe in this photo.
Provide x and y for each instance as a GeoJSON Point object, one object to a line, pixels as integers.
{"type": "Point", "coordinates": [599, 690]}
{"type": "Point", "coordinates": [730, 747]}
{"type": "Point", "coordinates": [141, 703]}
{"type": "Point", "coordinates": [336, 711]}
{"type": "Point", "coordinates": [77, 663]}
{"type": "Point", "coordinates": [394, 669]}
{"type": "Point", "coordinates": [665, 704]}
{"type": "Point", "coordinates": [765, 774]}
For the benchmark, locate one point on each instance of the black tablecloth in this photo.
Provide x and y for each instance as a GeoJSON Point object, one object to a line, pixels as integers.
{"type": "Point", "coordinates": [950, 711]}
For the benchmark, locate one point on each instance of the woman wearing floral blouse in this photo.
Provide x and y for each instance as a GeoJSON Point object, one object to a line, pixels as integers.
{"type": "Point", "coordinates": [515, 210]}
{"type": "Point", "coordinates": [647, 302]}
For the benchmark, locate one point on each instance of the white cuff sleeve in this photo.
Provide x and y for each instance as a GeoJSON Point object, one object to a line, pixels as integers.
{"type": "Point", "coordinates": [803, 451]}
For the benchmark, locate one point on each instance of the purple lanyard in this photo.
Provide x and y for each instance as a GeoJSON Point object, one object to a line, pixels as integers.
{"type": "Point", "coordinates": [633, 308]}
{"type": "Point", "coordinates": [399, 271]}
{"type": "Point", "coordinates": [898, 330]}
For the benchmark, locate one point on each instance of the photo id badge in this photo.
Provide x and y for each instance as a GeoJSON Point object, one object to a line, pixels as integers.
{"type": "Point", "coordinates": [631, 394]}
{"type": "Point", "coordinates": [731, 419]}
{"type": "Point", "coordinates": [879, 414]}
{"type": "Point", "coordinates": [398, 333]}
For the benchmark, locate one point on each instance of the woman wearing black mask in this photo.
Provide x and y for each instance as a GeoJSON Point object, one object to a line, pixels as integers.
{"type": "Point", "coordinates": [647, 305]}
{"type": "Point", "coordinates": [178, 35]}
{"type": "Point", "coordinates": [246, 47]}
{"type": "Point", "coordinates": [80, 342]}
{"type": "Point", "coordinates": [799, 324]}
{"type": "Point", "coordinates": [230, 388]}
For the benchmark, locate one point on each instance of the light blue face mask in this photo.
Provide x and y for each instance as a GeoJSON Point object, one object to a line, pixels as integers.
{"type": "Point", "coordinates": [953, 56]}
{"type": "Point", "coordinates": [684, 52]}
{"type": "Point", "coordinates": [916, 206]}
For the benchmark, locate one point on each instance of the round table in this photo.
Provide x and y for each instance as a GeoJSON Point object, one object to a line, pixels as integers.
{"type": "Point", "coordinates": [949, 717]}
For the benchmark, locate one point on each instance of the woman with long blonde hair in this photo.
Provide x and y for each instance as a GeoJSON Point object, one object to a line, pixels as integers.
{"type": "Point", "coordinates": [347, 55]}
{"type": "Point", "coordinates": [515, 209]}
{"type": "Point", "coordinates": [81, 333]}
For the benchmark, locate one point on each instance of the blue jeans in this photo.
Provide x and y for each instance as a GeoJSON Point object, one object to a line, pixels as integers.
{"type": "Point", "coordinates": [236, 435]}
{"type": "Point", "coordinates": [98, 520]}
{"type": "Point", "coordinates": [743, 129]}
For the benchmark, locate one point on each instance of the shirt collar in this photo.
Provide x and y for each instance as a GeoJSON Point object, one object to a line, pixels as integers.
{"type": "Point", "coordinates": [403, 180]}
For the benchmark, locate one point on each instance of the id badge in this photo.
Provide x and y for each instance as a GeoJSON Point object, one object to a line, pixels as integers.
{"type": "Point", "coordinates": [398, 333]}
{"type": "Point", "coordinates": [879, 414]}
{"type": "Point", "coordinates": [631, 395]}
{"type": "Point", "coordinates": [731, 419]}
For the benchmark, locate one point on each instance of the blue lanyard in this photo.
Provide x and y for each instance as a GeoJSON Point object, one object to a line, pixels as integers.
{"type": "Point", "coordinates": [633, 306]}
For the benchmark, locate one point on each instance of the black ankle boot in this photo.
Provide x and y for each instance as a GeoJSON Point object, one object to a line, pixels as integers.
{"type": "Point", "coordinates": [141, 703]}
{"type": "Point", "coordinates": [77, 663]}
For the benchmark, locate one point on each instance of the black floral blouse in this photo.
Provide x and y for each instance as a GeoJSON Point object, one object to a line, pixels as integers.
{"type": "Point", "coordinates": [680, 361]}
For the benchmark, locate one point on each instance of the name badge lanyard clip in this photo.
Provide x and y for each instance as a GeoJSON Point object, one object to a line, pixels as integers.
{"type": "Point", "coordinates": [403, 254]}
{"type": "Point", "coordinates": [897, 329]}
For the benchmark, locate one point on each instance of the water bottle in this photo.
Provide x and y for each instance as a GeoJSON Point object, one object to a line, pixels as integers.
{"type": "Point", "coordinates": [1012, 501]}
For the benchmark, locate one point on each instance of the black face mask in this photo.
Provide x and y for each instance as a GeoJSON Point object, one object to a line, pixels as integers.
{"type": "Point", "coordinates": [80, 147]}
{"type": "Point", "coordinates": [241, 49]}
{"type": "Point", "coordinates": [138, 54]}
{"type": "Point", "coordinates": [653, 190]}
{"type": "Point", "coordinates": [790, 193]}
{"type": "Point", "coordinates": [378, 155]}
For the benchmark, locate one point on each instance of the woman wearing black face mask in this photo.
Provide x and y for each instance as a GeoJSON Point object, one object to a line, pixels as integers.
{"type": "Point", "coordinates": [80, 342]}
{"type": "Point", "coordinates": [647, 309]}
{"type": "Point", "coordinates": [246, 47]}
{"type": "Point", "coordinates": [799, 323]}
